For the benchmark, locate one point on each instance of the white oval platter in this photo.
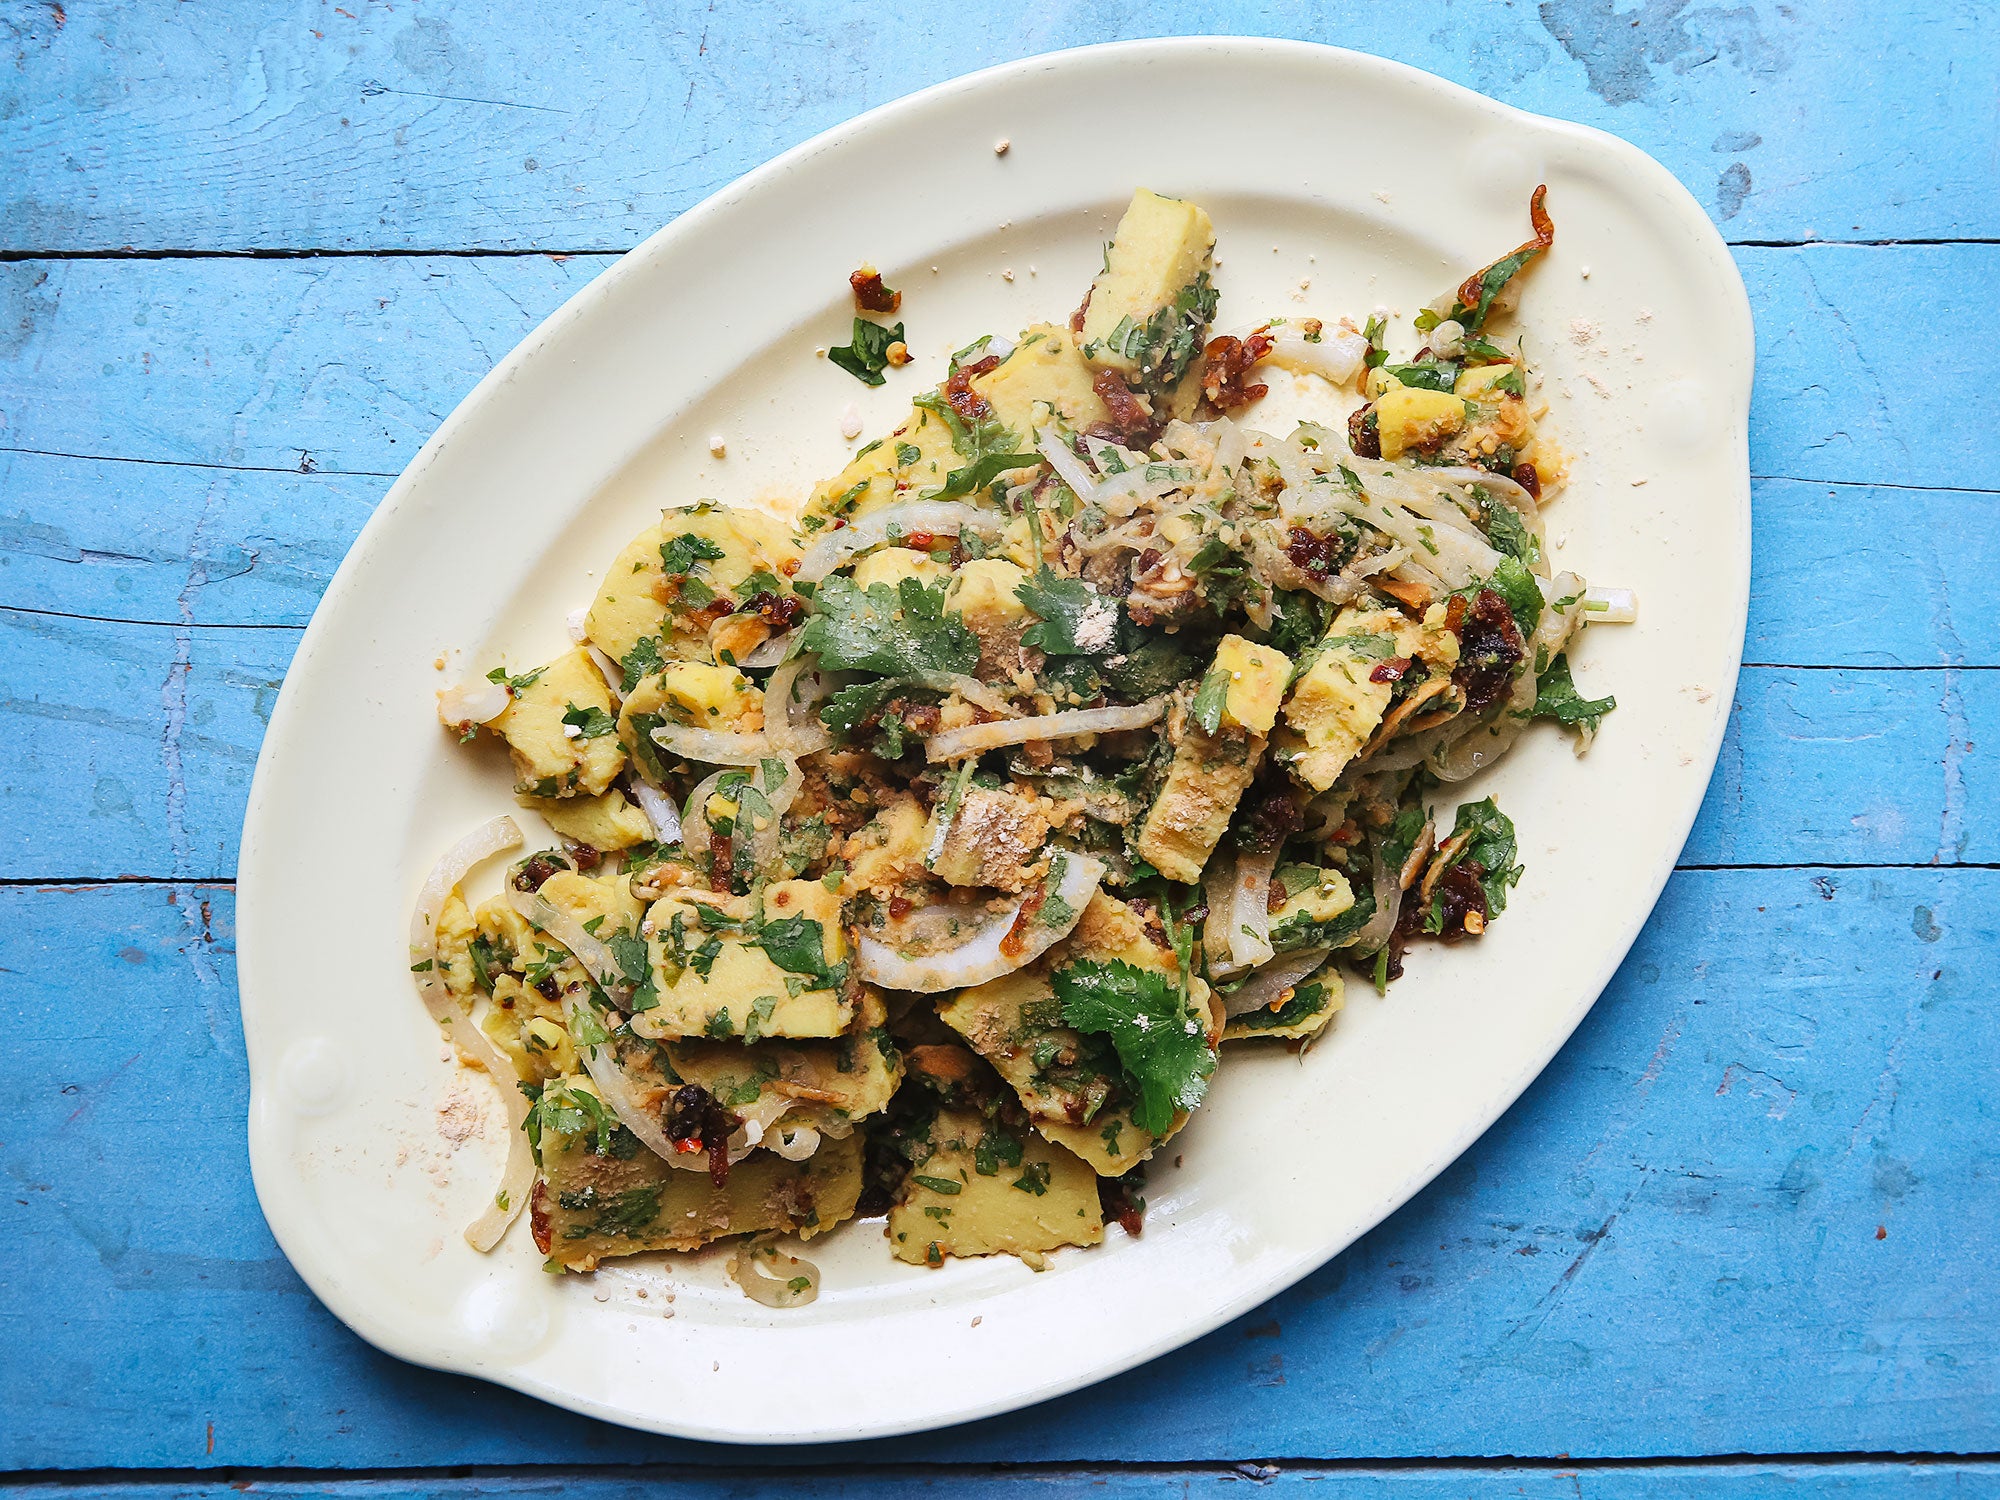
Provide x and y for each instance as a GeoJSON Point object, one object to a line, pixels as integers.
{"type": "Point", "coordinates": [1351, 183]}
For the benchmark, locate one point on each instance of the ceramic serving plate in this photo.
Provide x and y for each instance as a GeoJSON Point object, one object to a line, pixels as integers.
{"type": "Point", "coordinates": [1349, 184]}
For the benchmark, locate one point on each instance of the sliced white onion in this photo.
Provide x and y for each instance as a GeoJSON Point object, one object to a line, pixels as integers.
{"type": "Point", "coordinates": [1610, 606]}
{"type": "Point", "coordinates": [488, 839]}
{"type": "Point", "coordinates": [764, 841]}
{"type": "Point", "coordinates": [770, 1276]}
{"type": "Point", "coordinates": [1263, 988]}
{"type": "Point", "coordinates": [1069, 468]}
{"type": "Point", "coordinates": [616, 1088]}
{"type": "Point", "coordinates": [1250, 910]}
{"type": "Point", "coordinates": [971, 689]}
{"type": "Point", "coordinates": [974, 739]}
{"type": "Point", "coordinates": [982, 955]}
{"type": "Point", "coordinates": [1388, 902]}
{"type": "Point", "coordinates": [517, 1178]}
{"type": "Point", "coordinates": [790, 697]}
{"type": "Point", "coordinates": [713, 747]}
{"type": "Point", "coordinates": [565, 929]}
{"type": "Point", "coordinates": [467, 703]}
{"type": "Point", "coordinates": [659, 810]}
{"type": "Point", "coordinates": [772, 652]}
{"type": "Point", "coordinates": [946, 517]}
{"type": "Point", "coordinates": [1338, 356]}
{"type": "Point", "coordinates": [793, 1142]}
{"type": "Point", "coordinates": [611, 672]}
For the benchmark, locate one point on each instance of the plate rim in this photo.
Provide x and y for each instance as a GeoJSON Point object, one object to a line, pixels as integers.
{"type": "Point", "coordinates": [352, 1311]}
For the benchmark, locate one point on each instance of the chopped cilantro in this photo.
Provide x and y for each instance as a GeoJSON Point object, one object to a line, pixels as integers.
{"type": "Point", "coordinates": [866, 355]}
{"type": "Point", "coordinates": [590, 723]}
{"type": "Point", "coordinates": [1210, 699]}
{"type": "Point", "coordinates": [1162, 1046]}
{"type": "Point", "coordinates": [1556, 698]}
{"type": "Point", "coordinates": [939, 1185]}
{"type": "Point", "coordinates": [891, 633]}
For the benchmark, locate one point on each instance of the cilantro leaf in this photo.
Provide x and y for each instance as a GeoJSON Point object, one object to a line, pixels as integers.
{"type": "Point", "coordinates": [641, 661]}
{"type": "Point", "coordinates": [517, 684]}
{"type": "Point", "coordinates": [1210, 699]}
{"type": "Point", "coordinates": [1510, 534]}
{"type": "Point", "coordinates": [591, 723]}
{"type": "Point", "coordinates": [1429, 376]}
{"type": "Point", "coordinates": [852, 707]}
{"type": "Point", "coordinates": [1492, 845]}
{"type": "Point", "coordinates": [866, 355]}
{"type": "Point", "coordinates": [684, 553]}
{"type": "Point", "coordinates": [1160, 1043]}
{"type": "Point", "coordinates": [1514, 583]}
{"type": "Point", "coordinates": [981, 472]}
{"type": "Point", "coordinates": [1556, 698]}
{"type": "Point", "coordinates": [1060, 606]}
{"type": "Point", "coordinates": [797, 945]}
{"type": "Point", "coordinates": [891, 633]}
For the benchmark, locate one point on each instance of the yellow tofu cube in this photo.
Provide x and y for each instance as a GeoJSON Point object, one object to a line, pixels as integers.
{"type": "Point", "coordinates": [1257, 677]}
{"type": "Point", "coordinates": [552, 758]}
{"type": "Point", "coordinates": [603, 1205]}
{"type": "Point", "coordinates": [639, 601]}
{"type": "Point", "coordinates": [987, 1190]}
{"type": "Point", "coordinates": [1162, 246]}
{"type": "Point", "coordinates": [605, 823]}
{"type": "Point", "coordinates": [721, 981]}
{"type": "Point", "coordinates": [891, 565]}
{"type": "Point", "coordinates": [1045, 377]}
{"type": "Point", "coordinates": [1407, 418]}
{"type": "Point", "coordinates": [1336, 706]}
{"type": "Point", "coordinates": [1207, 778]}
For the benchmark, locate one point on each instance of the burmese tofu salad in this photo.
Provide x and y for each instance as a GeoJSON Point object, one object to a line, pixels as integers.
{"type": "Point", "coordinates": [923, 856]}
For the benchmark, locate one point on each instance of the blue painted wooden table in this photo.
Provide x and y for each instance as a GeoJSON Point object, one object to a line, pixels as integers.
{"type": "Point", "coordinates": [1743, 1238]}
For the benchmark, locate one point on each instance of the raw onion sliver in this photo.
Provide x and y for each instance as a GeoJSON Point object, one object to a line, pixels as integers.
{"type": "Point", "coordinates": [517, 1178]}
{"type": "Point", "coordinates": [946, 517]}
{"type": "Point", "coordinates": [595, 957]}
{"type": "Point", "coordinates": [1250, 910]}
{"type": "Point", "coordinates": [611, 672]}
{"type": "Point", "coordinates": [982, 956]}
{"type": "Point", "coordinates": [1610, 606]}
{"type": "Point", "coordinates": [789, 734]}
{"type": "Point", "coordinates": [751, 1268]}
{"type": "Point", "coordinates": [616, 1089]}
{"type": "Point", "coordinates": [1069, 468]}
{"type": "Point", "coordinates": [464, 704]}
{"type": "Point", "coordinates": [1267, 986]}
{"type": "Point", "coordinates": [713, 747]}
{"type": "Point", "coordinates": [659, 810]}
{"type": "Point", "coordinates": [772, 652]}
{"type": "Point", "coordinates": [975, 739]}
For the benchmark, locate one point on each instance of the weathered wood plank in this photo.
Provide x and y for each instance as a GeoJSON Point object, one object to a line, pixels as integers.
{"type": "Point", "coordinates": [130, 749]}
{"type": "Point", "coordinates": [1846, 575]}
{"type": "Point", "coordinates": [289, 123]}
{"type": "Point", "coordinates": [1957, 1479]}
{"type": "Point", "coordinates": [1750, 1207]}
{"type": "Point", "coordinates": [349, 364]}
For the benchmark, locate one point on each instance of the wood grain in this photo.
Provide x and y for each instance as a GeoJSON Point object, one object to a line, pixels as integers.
{"type": "Point", "coordinates": [289, 123]}
{"type": "Point", "coordinates": [1846, 575]}
{"type": "Point", "coordinates": [315, 364]}
{"type": "Point", "coordinates": [130, 750]}
{"type": "Point", "coordinates": [1794, 1480]}
{"type": "Point", "coordinates": [1741, 1211]}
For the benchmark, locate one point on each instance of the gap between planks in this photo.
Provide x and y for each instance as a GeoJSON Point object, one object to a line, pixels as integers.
{"type": "Point", "coordinates": [1296, 1468]}
{"type": "Point", "coordinates": [330, 252]}
{"type": "Point", "coordinates": [228, 882]}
